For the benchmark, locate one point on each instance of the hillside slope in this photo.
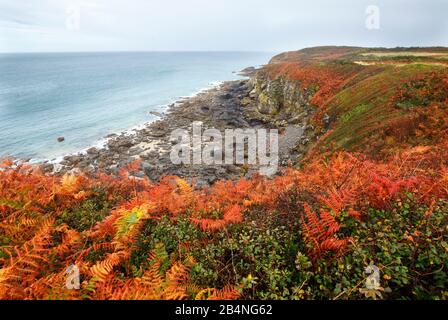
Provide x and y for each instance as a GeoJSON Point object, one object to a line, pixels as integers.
{"type": "Point", "coordinates": [373, 101]}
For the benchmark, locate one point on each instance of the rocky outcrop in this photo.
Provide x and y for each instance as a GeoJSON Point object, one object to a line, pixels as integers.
{"type": "Point", "coordinates": [260, 102]}
{"type": "Point", "coordinates": [280, 99]}
{"type": "Point", "coordinates": [286, 105]}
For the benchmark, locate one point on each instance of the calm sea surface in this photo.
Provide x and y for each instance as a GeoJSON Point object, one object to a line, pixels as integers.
{"type": "Point", "coordinates": [86, 96]}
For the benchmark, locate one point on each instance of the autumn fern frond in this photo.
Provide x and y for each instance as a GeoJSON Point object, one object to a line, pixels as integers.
{"type": "Point", "coordinates": [320, 231]}
{"type": "Point", "coordinates": [232, 215]}
{"type": "Point", "coordinates": [226, 293]}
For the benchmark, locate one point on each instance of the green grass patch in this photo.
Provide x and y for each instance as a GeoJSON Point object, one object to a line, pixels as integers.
{"type": "Point", "coordinates": [357, 111]}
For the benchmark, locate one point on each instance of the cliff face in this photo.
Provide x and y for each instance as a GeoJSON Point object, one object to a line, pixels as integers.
{"type": "Point", "coordinates": [281, 97]}
{"type": "Point", "coordinates": [286, 104]}
{"type": "Point", "coordinates": [357, 99]}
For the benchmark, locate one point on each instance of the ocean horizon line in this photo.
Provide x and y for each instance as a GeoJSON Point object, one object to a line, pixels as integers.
{"type": "Point", "coordinates": [138, 51]}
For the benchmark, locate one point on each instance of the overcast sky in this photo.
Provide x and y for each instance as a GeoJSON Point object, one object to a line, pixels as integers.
{"type": "Point", "coordinates": [246, 25]}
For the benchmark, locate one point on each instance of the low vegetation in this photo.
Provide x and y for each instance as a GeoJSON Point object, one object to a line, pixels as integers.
{"type": "Point", "coordinates": [307, 234]}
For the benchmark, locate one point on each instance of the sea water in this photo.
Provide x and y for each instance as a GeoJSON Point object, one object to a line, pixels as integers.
{"type": "Point", "coordinates": [84, 97]}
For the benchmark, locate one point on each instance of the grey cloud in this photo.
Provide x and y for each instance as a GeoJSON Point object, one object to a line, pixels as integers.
{"type": "Point", "coordinates": [222, 24]}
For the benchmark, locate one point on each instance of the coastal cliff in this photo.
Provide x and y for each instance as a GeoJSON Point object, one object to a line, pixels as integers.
{"type": "Point", "coordinates": [325, 99]}
{"type": "Point", "coordinates": [280, 98]}
{"type": "Point", "coordinates": [363, 187]}
{"type": "Point", "coordinates": [373, 101]}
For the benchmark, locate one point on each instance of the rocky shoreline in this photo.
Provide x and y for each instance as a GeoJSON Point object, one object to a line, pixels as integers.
{"type": "Point", "coordinates": [231, 105]}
